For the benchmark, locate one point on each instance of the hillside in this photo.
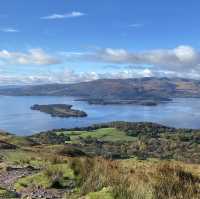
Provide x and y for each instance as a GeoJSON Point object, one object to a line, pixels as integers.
{"type": "Point", "coordinates": [118, 140]}
{"type": "Point", "coordinates": [115, 88]}
{"type": "Point", "coordinates": [116, 160]}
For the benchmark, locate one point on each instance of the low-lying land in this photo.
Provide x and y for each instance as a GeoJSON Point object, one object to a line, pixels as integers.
{"type": "Point", "coordinates": [117, 160]}
{"type": "Point", "coordinates": [59, 110]}
{"type": "Point", "coordinates": [142, 102]}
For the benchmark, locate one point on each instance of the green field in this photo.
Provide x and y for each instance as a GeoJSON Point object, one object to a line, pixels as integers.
{"type": "Point", "coordinates": [103, 134]}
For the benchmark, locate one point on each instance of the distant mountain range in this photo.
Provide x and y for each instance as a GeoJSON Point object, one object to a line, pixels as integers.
{"type": "Point", "coordinates": [114, 89]}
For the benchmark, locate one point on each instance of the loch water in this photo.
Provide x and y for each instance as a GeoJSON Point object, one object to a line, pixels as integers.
{"type": "Point", "coordinates": [17, 117]}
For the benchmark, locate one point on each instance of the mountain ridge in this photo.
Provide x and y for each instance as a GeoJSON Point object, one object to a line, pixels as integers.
{"type": "Point", "coordinates": [122, 89]}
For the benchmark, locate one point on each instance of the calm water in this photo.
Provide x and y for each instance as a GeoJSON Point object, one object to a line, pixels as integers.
{"type": "Point", "coordinates": [16, 116]}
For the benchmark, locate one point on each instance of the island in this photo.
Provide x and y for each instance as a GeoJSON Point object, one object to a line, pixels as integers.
{"type": "Point", "coordinates": [59, 110]}
{"type": "Point", "coordinates": [145, 101]}
{"type": "Point", "coordinates": [122, 102]}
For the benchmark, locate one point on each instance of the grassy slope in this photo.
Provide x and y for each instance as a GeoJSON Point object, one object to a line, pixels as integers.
{"type": "Point", "coordinates": [15, 140]}
{"type": "Point", "coordinates": [148, 179]}
{"type": "Point", "coordinates": [45, 177]}
{"type": "Point", "coordinates": [103, 134]}
{"type": "Point", "coordinates": [103, 177]}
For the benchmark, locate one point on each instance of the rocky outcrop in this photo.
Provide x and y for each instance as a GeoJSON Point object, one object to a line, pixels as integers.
{"type": "Point", "coordinates": [5, 145]}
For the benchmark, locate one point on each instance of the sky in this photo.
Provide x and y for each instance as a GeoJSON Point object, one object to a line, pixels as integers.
{"type": "Point", "coordinates": [66, 41]}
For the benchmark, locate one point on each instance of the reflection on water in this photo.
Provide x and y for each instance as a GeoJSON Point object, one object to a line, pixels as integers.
{"type": "Point", "coordinates": [16, 116]}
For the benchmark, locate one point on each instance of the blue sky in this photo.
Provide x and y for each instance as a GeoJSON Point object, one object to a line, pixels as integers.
{"type": "Point", "coordinates": [44, 41]}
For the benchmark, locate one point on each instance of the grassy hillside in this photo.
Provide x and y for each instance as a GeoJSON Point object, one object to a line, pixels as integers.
{"type": "Point", "coordinates": [111, 161]}
{"type": "Point", "coordinates": [125, 140]}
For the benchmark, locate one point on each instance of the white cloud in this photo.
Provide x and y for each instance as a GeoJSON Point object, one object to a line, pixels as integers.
{"type": "Point", "coordinates": [73, 14]}
{"type": "Point", "coordinates": [9, 30]}
{"type": "Point", "coordinates": [136, 25]}
{"type": "Point", "coordinates": [186, 53]}
{"type": "Point", "coordinates": [32, 57]}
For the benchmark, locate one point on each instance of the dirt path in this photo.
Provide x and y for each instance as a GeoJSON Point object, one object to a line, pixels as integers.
{"type": "Point", "coordinates": [43, 193]}
{"type": "Point", "coordinates": [11, 175]}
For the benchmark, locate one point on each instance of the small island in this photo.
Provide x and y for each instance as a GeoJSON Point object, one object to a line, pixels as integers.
{"type": "Point", "coordinates": [59, 110]}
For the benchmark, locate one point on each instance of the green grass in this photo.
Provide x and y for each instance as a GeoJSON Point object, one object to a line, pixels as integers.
{"type": "Point", "coordinates": [104, 193]}
{"type": "Point", "coordinates": [24, 158]}
{"type": "Point", "coordinates": [18, 157]}
{"type": "Point", "coordinates": [15, 140]}
{"type": "Point", "coordinates": [7, 194]}
{"type": "Point", "coordinates": [19, 141]}
{"type": "Point", "coordinates": [103, 134]}
{"type": "Point", "coordinates": [58, 173]}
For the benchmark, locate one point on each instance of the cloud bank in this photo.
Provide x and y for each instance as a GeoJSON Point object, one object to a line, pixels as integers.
{"type": "Point", "coordinates": [70, 76]}
{"type": "Point", "coordinates": [182, 59]}
{"type": "Point", "coordinates": [179, 57]}
{"type": "Point", "coordinates": [31, 57]}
